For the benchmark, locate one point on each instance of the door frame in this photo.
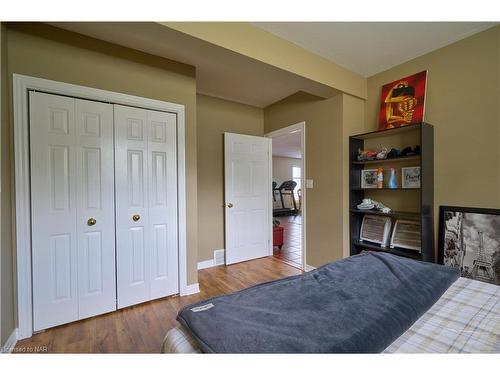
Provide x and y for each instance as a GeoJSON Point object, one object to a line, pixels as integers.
{"type": "Point", "coordinates": [22, 84]}
{"type": "Point", "coordinates": [301, 126]}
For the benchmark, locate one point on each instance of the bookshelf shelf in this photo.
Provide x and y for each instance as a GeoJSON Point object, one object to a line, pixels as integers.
{"type": "Point", "coordinates": [387, 161]}
{"type": "Point", "coordinates": [401, 214]}
{"type": "Point", "coordinates": [396, 250]}
{"type": "Point", "coordinates": [385, 188]}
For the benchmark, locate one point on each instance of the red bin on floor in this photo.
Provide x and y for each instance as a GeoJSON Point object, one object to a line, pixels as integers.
{"type": "Point", "coordinates": [278, 236]}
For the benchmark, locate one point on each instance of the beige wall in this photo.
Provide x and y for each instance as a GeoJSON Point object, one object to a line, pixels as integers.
{"type": "Point", "coordinates": [216, 116]}
{"type": "Point", "coordinates": [282, 168]}
{"type": "Point", "coordinates": [251, 41]}
{"type": "Point", "coordinates": [7, 322]}
{"type": "Point", "coordinates": [463, 99]}
{"type": "Point", "coordinates": [43, 51]}
{"type": "Point", "coordinates": [323, 118]}
{"type": "Point", "coordinates": [353, 115]}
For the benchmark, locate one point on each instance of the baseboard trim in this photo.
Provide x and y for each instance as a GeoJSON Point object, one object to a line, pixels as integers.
{"type": "Point", "coordinates": [10, 344]}
{"type": "Point", "coordinates": [206, 264]}
{"type": "Point", "coordinates": [218, 260]}
{"type": "Point", "coordinates": [309, 268]}
{"type": "Point", "coordinates": [191, 289]}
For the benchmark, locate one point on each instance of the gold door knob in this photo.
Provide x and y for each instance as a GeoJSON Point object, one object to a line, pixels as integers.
{"type": "Point", "coordinates": [91, 221]}
{"type": "Point", "coordinates": [136, 217]}
{"type": "Point", "coordinates": [229, 205]}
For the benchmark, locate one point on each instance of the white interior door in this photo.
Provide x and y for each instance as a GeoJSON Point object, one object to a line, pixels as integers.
{"type": "Point", "coordinates": [53, 195]}
{"type": "Point", "coordinates": [163, 219]}
{"type": "Point", "coordinates": [146, 204]}
{"type": "Point", "coordinates": [71, 164]}
{"type": "Point", "coordinates": [95, 208]}
{"type": "Point", "coordinates": [247, 197]}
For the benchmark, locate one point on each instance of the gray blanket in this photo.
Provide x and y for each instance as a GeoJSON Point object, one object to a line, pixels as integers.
{"type": "Point", "coordinates": [360, 304]}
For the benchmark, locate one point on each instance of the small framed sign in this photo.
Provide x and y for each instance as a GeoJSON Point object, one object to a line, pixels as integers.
{"type": "Point", "coordinates": [410, 177]}
{"type": "Point", "coordinates": [368, 178]}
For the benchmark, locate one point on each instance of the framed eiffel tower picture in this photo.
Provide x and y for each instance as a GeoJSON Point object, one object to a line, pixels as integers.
{"type": "Point", "coordinates": [469, 239]}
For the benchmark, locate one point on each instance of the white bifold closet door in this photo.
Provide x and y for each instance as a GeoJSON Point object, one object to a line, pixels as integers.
{"type": "Point", "coordinates": [146, 204]}
{"type": "Point", "coordinates": [72, 196]}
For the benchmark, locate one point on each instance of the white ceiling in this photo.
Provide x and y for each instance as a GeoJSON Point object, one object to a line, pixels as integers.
{"type": "Point", "coordinates": [288, 146]}
{"type": "Point", "coordinates": [219, 72]}
{"type": "Point", "coordinates": [368, 48]}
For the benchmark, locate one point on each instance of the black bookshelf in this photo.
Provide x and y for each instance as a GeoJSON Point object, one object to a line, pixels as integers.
{"type": "Point", "coordinates": [425, 133]}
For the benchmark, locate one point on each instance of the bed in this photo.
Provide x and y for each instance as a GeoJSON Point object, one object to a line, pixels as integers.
{"type": "Point", "coordinates": [463, 317]}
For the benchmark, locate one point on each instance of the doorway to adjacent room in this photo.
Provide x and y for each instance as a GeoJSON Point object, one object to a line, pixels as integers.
{"type": "Point", "coordinates": [288, 194]}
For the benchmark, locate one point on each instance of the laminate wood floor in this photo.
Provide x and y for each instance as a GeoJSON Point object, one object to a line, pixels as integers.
{"type": "Point", "coordinates": [141, 328]}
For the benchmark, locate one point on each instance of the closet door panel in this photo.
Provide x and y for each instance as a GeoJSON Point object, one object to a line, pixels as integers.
{"type": "Point", "coordinates": [146, 188]}
{"type": "Point", "coordinates": [95, 206]}
{"type": "Point", "coordinates": [162, 172]}
{"type": "Point", "coordinates": [131, 188]}
{"type": "Point", "coordinates": [53, 205]}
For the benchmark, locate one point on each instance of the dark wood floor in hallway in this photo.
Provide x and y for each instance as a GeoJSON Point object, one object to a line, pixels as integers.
{"type": "Point", "coordinates": [141, 328]}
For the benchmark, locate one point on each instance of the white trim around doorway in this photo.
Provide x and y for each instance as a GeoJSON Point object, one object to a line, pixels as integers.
{"type": "Point", "coordinates": [21, 86]}
{"type": "Point", "coordinates": [301, 126]}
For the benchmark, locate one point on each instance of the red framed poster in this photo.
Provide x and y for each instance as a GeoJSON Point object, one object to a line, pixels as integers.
{"type": "Point", "coordinates": [403, 102]}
